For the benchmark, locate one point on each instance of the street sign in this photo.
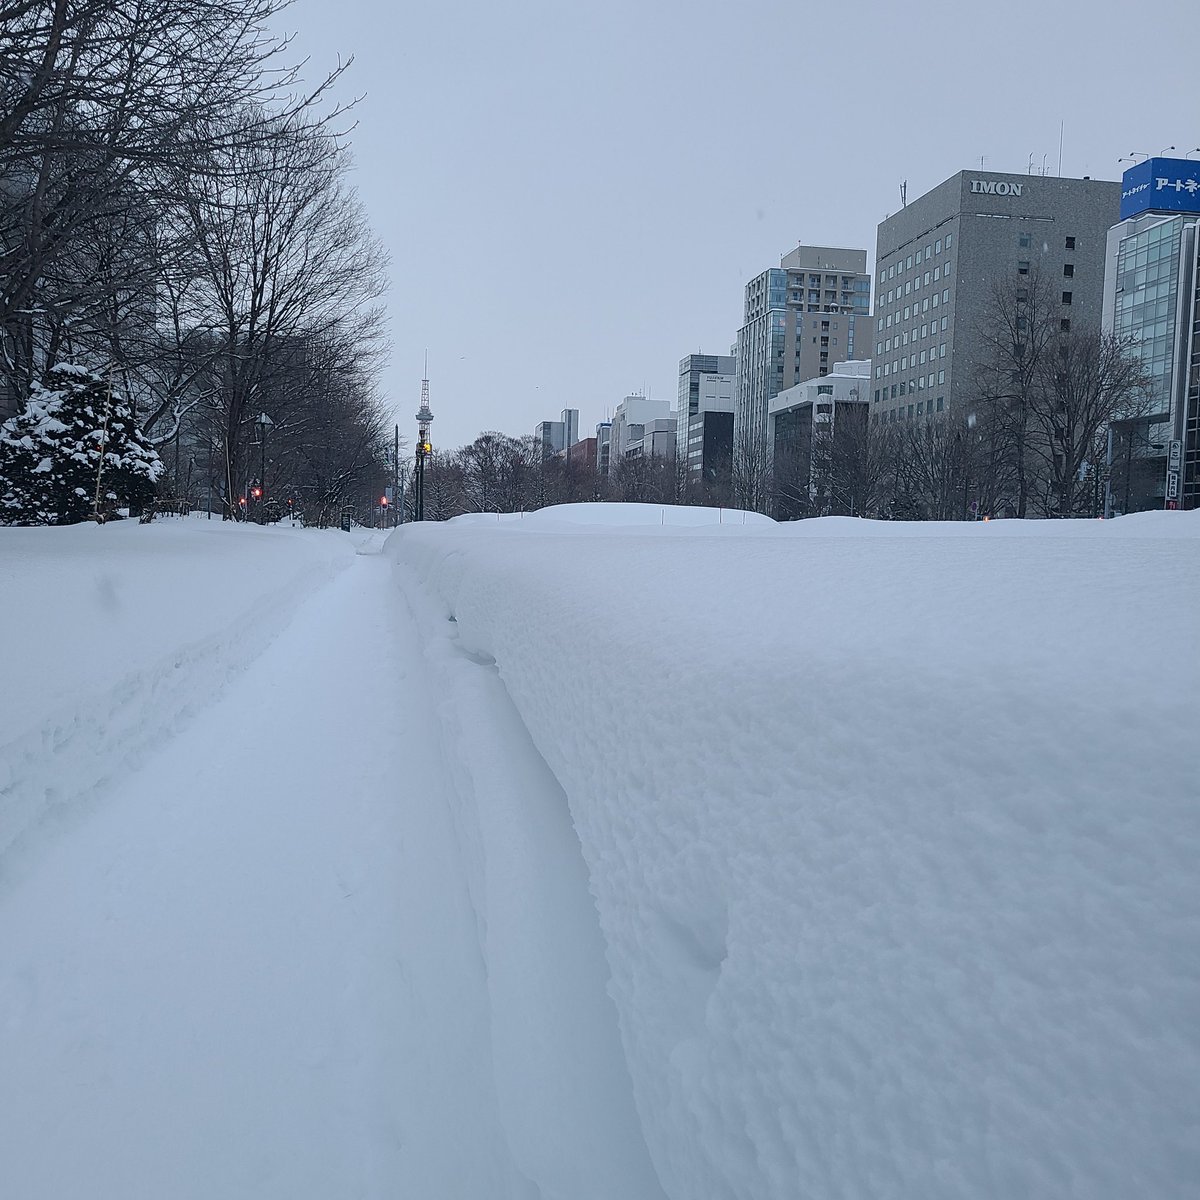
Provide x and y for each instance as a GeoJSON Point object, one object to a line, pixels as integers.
{"type": "Point", "coordinates": [1172, 485]}
{"type": "Point", "coordinates": [1174, 455]}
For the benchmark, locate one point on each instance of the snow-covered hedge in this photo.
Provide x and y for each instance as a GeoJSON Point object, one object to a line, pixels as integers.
{"type": "Point", "coordinates": [892, 832]}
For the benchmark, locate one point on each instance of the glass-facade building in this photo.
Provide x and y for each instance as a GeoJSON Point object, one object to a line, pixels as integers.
{"type": "Point", "coordinates": [1152, 300]}
{"type": "Point", "coordinates": [798, 320]}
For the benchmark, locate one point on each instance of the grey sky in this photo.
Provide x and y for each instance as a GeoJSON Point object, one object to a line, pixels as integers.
{"type": "Point", "coordinates": [575, 195]}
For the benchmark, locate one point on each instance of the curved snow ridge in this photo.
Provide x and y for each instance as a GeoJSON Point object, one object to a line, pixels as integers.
{"type": "Point", "coordinates": [892, 841]}
{"type": "Point", "coordinates": [77, 731]}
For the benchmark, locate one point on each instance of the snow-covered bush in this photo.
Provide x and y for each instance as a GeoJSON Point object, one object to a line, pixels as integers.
{"type": "Point", "coordinates": [50, 453]}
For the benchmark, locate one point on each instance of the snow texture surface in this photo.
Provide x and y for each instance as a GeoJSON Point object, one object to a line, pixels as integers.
{"type": "Point", "coordinates": [892, 832]}
{"type": "Point", "coordinates": [605, 851]}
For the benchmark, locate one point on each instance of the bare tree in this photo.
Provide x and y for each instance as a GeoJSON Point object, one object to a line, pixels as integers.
{"type": "Point", "coordinates": [1016, 340]}
{"type": "Point", "coordinates": [104, 106]}
{"type": "Point", "coordinates": [286, 254]}
{"type": "Point", "coordinates": [1090, 381]}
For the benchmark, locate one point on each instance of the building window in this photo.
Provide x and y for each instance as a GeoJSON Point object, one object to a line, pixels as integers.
{"type": "Point", "coordinates": [1023, 241]}
{"type": "Point", "coordinates": [1070, 243]}
{"type": "Point", "coordinates": [942, 350]}
{"type": "Point", "coordinates": [935, 299]}
{"type": "Point", "coordinates": [908, 287]}
{"type": "Point", "coordinates": [937, 274]}
{"type": "Point", "coordinates": [1064, 326]}
{"type": "Point", "coordinates": [941, 378]}
{"type": "Point", "coordinates": [937, 246]}
{"type": "Point", "coordinates": [946, 271]}
{"type": "Point", "coordinates": [928, 252]}
{"type": "Point", "coordinates": [1023, 267]}
{"type": "Point", "coordinates": [922, 358]}
{"type": "Point", "coordinates": [920, 408]}
{"type": "Point", "coordinates": [945, 295]}
{"type": "Point", "coordinates": [945, 322]}
{"type": "Point", "coordinates": [893, 391]}
{"type": "Point", "coordinates": [908, 263]}
{"type": "Point", "coordinates": [910, 412]}
{"type": "Point", "coordinates": [902, 389]}
{"type": "Point", "coordinates": [1066, 297]}
{"type": "Point", "coordinates": [949, 240]}
{"type": "Point", "coordinates": [939, 402]}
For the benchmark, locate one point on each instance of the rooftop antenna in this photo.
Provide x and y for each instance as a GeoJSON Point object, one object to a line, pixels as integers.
{"type": "Point", "coordinates": [904, 193]}
{"type": "Point", "coordinates": [1029, 168]}
{"type": "Point", "coordinates": [981, 158]}
{"type": "Point", "coordinates": [1061, 126]}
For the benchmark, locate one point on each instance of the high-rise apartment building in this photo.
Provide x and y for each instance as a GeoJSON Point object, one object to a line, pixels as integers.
{"type": "Point", "coordinates": [1152, 297]}
{"type": "Point", "coordinates": [799, 318]}
{"type": "Point", "coordinates": [939, 260]}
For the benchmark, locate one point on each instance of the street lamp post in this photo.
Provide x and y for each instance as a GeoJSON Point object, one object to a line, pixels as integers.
{"type": "Point", "coordinates": [264, 423]}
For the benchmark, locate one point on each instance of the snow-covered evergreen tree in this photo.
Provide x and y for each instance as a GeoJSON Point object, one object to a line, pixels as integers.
{"type": "Point", "coordinates": [50, 453]}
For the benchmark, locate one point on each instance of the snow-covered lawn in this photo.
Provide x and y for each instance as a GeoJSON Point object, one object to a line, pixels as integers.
{"type": "Point", "coordinates": [607, 851]}
{"type": "Point", "coordinates": [893, 833]}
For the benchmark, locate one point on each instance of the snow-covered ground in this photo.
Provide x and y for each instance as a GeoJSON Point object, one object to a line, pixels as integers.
{"type": "Point", "coordinates": [600, 852]}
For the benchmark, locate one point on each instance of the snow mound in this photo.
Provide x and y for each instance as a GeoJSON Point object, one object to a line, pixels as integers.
{"type": "Point", "coordinates": [120, 632]}
{"type": "Point", "coordinates": [619, 516]}
{"type": "Point", "coordinates": [892, 834]}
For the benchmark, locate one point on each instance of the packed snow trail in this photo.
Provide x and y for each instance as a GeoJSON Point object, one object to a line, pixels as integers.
{"type": "Point", "coordinates": [252, 967]}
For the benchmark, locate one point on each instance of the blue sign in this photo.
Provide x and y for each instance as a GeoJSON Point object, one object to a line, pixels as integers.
{"type": "Point", "coordinates": [1161, 185]}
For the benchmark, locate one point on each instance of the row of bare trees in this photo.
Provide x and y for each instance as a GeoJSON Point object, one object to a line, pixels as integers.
{"type": "Point", "coordinates": [499, 473]}
{"type": "Point", "coordinates": [174, 212]}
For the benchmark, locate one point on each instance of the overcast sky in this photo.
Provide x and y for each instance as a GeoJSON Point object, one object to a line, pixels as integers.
{"type": "Point", "coordinates": [574, 196]}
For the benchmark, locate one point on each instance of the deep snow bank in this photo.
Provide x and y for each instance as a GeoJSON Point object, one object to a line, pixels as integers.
{"type": "Point", "coordinates": [892, 832]}
{"type": "Point", "coordinates": [111, 635]}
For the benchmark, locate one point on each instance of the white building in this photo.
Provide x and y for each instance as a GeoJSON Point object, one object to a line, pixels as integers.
{"type": "Point", "coordinates": [629, 423]}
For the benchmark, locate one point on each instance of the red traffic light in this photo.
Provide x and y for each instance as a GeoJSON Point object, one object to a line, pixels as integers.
{"type": "Point", "coordinates": [257, 493]}
{"type": "Point", "coordinates": [384, 501]}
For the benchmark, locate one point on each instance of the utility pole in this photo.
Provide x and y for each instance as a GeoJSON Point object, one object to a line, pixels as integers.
{"type": "Point", "coordinates": [424, 449]}
{"type": "Point", "coordinates": [396, 476]}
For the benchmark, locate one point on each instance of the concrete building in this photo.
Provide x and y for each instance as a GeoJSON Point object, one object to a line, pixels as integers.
{"type": "Point", "coordinates": [704, 415]}
{"type": "Point", "coordinates": [706, 383]}
{"type": "Point", "coordinates": [629, 423]}
{"type": "Point", "coordinates": [805, 423]}
{"type": "Point", "coordinates": [656, 440]}
{"type": "Point", "coordinates": [558, 436]}
{"type": "Point", "coordinates": [798, 319]}
{"type": "Point", "coordinates": [1152, 296]}
{"type": "Point", "coordinates": [938, 260]}
{"type": "Point", "coordinates": [603, 447]}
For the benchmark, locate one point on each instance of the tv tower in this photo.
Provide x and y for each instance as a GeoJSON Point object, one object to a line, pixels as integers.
{"type": "Point", "coordinates": [424, 449]}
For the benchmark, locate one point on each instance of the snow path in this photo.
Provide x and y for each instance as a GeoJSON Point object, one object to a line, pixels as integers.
{"type": "Point", "coordinates": [253, 968]}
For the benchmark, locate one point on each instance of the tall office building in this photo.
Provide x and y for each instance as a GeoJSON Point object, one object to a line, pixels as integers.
{"type": "Point", "coordinates": [799, 318]}
{"type": "Point", "coordinates": [939, 259]}
{"type": "Point", "coordinates": [704, 411]}
{"type": "Point", "coordinates": [558, 436]}
{"type": "Point", "coordinates": [1152, 296]}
